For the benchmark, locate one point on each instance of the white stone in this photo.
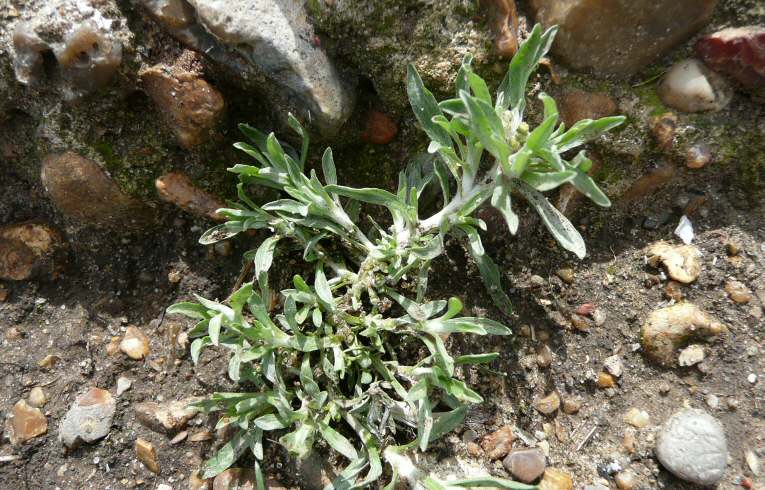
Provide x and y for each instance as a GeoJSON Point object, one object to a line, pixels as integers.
{"type": "Point", "coordinates": [693, 354]}
{"type": "Point", "coordinates": [691, 444]}
{"type": "Point", "coordinates": [690, 86]}
{"type": "Point", "coordinates": [123, 384]}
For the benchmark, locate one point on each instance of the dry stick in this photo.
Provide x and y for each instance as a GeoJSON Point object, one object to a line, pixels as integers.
{"type": "Point", "coordinates": [586, 438]}
{"type": "Point", "coordinates": [246, 269]}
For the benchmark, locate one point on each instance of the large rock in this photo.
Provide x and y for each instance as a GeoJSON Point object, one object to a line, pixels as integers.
{"type": "Point", "coordinates": [29, 250]}
{"type": "Point", "coordinates": [270, 38]}
{"type": "Point", "coordinates": [691, 444]}
{"type": "Point", "coordinates": [85, 45]}
{"type": "Point", "coordinates": [738, 52]}
{"type": "Point", "coordinates": [619, 36]}
{"type": "Point", "coordinates": [81, 190]}
{"type": "Point", "coordinates": [190, 105]}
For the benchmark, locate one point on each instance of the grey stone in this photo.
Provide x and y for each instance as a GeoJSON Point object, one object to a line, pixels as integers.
{"type": "Point", "coordinates": [526, 465]}
{"type": "Point", "coordinates": [264, 37]}
{"type": "Point", "coordinates": [691, 445]}
{"type": "Point", "coordinates": [88, 419]}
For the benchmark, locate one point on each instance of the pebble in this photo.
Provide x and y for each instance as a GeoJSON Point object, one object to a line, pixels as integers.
{"type": "Point", "coordinates": [690, 86]}
{"type": "Point", "coordinates": [666, 329]}
{"type": "Point", "coordinates": [555, 479]}
{"type": "Point", "coordinates": [663, 128]}
{"type": "Point", "coordinates": [571, 406]}
{"type": "Point", "coordinates": [738, 292]}
{"type": "Point", "coordinates": [673, 290]}
{"type": "Point", "coordinates": [88, 419]}
{"type": "Point", "coordinates": [549, 404]}
{"type": "Point", "coordinates": [683, 262]}
{"type": "Point", "coordinates": [202, 435]}
{"type": "Point", "coordinates": [29, 250]}
{"type": "Point", "coordinates": [576, 105]}
{"type": "Point", "coordinates": [37, 397]}
{"type": "Point", "coordinates": [713, 401]}
{"type": "Point", "coordinates": [732, 248]}
{"type": "Point", "coordinates": [179, 437]}
{"type": "Point", "coordinates": [693, 354]}
{"type": "Point", "coordinates": [498, 443]}
{"type": "Point", "coordinates": [626, 480]}
{"type": "Point", "coordinates": [188, 103]}
{"type": "Point", "coordinates": [544, 356]}
{"type": "Point", "coordinates": [526, 465]}
{"type": "Point", "coordinates": [26, 422]}
{"type": "Point", "coordinates": [753, 462]}
{"type": "Point", "coordinates": [135, 343]}
{"type": "Point", "coordinates": [168, 417]}
{"type": "Point", "coordinates": [147, 454]}
{"type": "Point", "coordinates": [737, 52]}
{"type": "Point", "coordinates": [243, 478]}
{"type": "Point", "coordinates": [637, 418]}
{"type": "Point", "coordinates": [691, 444]}
{"type": "Point", "coordinates": [65, 176]}
{"type": "Point", "coordinates": [614, 365]}
{"type": "Point", "coordinates": [752, 378]}
{"type": "Point", "coordinates": [379, 129]}
{"type": "Point", "coordinates": [123, 384]}
{"type": "Point", "coordinates": [48, 361]}
{"type": "Point", "coordinates": [698, 155]}
{"type": "Point", "coordinates": [198, 483]}
{"type": "Point", "coordinates": [178, 189]}
{"type": "Point", "coordinates": [605, 380]}
{"type": "Point", "coordinates": [566, 275]}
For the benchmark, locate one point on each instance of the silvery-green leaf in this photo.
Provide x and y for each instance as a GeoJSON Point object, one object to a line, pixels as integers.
{"type": "Point", "coordinates": [500, 199]}
{"type": "Point", "coordinates": [489, 271]}
{"type": "Point", "coordinates": [338, 442]}
{"type": "Point", "coordinates": [328, 167]}
{"type": "Point", "coordinates": [545, 181]}
{"type": "Point", "coordinates": [425, 107]}
{"type": "Point", "coordinates": [560, 227]}
{"type": "Point", "coordinates": [586, 130]}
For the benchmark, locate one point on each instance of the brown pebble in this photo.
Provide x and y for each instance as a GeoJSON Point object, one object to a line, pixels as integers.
{"type": "Point", "coordinates": [379, 128]}
{"type": "Point", "coordinates": [3, 294]}
{"type": "Point", "coordinates": [498, 443]}
{"type": "Point", "coordinates": [26, 422]}
{"type": "Point", "coordinates": [673, 290]}
{"type": "Point", "coordinates": [147, 454]}
{"type": "Point", "coordinates": [580, 323]}
{"type": "Point", "coordinates": [649, 183]}
{"type": "Point", "coordinates": [548, 404]}
{"type": "Point", "coordinates": [48, 361]}
{"type": "Point", "coordinates": [177, 188]}
{"type": "Point", "coordinates": [544, 356]}
{"type": "Point", "coordinates": [738, 292]}
{"type": "Point", "coordinates": [663, 128]}
{"type": "Point", "coordinates": [135, 343]}
{"type": "Point", "coordinates": [571, 406]}
{"type": "Point", "coordinates": [526, 465]}
{"type": "Point", "coordinates": [628, 442]}
{"type": "Point", "coordinates": [13, 333]}
{"type": "Point", "coordinates": [566, 275]}
{"type": "Point", "coordinates": [196, 482]}
{"type": "Point", "coordinates": [37, 397]}
{"type": "Point", "coordinates": [473, 449]}
{"type": "Point", "coordinates": [203, 435]}
{"type": "Point", "coordinates": [605, 380]}
{"type": "Point", "coordinates": [556, 479]}
{"type": "Point", "coordinates": [113, 346]}
{"type": "Point", "coordinates": [733, 248]}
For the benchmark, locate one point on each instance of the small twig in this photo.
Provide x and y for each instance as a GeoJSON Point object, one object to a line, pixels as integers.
{"type": "Point", "coordinates": [586, 438]}
{"type": "Point", "coordinates": [246, 269]}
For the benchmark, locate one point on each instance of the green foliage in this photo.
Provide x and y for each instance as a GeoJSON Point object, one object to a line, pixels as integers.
{"type": "Point", "coordinates": [331, 361]}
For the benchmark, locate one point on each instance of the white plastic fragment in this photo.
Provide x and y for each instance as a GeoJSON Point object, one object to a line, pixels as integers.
{"type": "Point", "coordinates": [684, 230]}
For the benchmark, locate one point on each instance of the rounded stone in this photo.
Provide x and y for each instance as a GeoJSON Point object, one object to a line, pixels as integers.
{"type": "Point", "coordinates": [526, 465]}
{"type": "Point", "coordinates": [691, 445]}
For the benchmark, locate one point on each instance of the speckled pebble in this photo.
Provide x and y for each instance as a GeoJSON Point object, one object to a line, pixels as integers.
{"type": "Point", "coordinates": [691, 444]}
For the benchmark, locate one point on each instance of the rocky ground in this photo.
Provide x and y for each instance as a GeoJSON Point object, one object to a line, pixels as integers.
{"type": "Point", "coordinates": [639, 367]}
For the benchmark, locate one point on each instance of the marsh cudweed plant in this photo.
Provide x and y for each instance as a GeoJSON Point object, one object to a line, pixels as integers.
{"type": "Point", "coordinates": [323, 368]}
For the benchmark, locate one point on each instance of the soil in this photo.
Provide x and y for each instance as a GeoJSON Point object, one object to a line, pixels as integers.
{"type": "Point", "coordinates": [115, 279]}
